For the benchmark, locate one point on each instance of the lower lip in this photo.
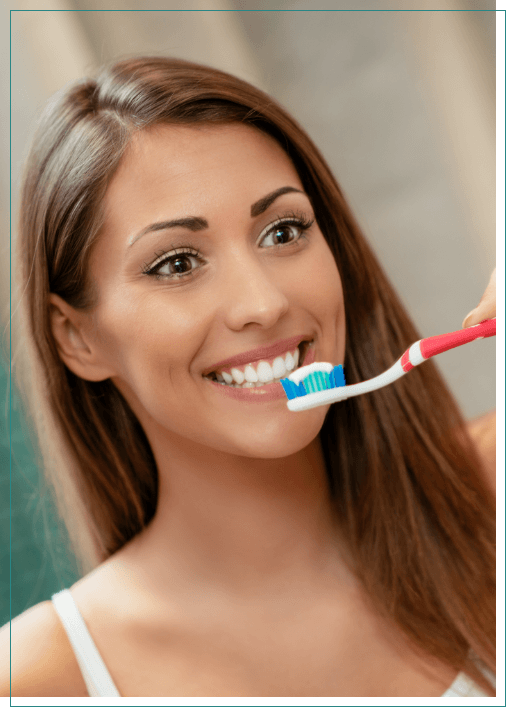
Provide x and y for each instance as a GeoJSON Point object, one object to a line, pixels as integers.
{"type": "Point", "coordinates": [262, 394]}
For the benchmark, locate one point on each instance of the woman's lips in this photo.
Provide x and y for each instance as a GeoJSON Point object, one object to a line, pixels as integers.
{"type": "Point", "coordinates": [254, 355]}
{"type": "Point", "coordinates": [262, 394]}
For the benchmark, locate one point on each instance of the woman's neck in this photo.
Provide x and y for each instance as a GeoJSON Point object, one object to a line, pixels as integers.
{"type": "Point", "coordinates": [241, 524]}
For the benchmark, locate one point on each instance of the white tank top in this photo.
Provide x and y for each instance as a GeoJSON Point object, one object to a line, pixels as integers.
{"type": "Point", "coordinates": [100, 684]}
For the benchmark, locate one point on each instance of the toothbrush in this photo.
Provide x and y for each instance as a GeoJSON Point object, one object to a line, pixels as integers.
{"type": "Point", "coordinates": [322, 383]}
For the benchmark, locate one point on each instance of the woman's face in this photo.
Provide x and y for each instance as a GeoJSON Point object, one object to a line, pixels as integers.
{"type": "Point", "coordinates": [210, 250]}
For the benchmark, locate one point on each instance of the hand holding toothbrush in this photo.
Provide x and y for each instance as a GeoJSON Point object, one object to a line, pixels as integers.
{"type": "Point", "coordinates": [322, 383]}
{"type": "Point", "coordinates": [486, 307]}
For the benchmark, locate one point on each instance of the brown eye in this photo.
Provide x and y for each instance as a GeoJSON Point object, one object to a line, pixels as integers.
{"type": "Point", "coordinates": [285, 231]}
{"type": "Point", "coordinates": [182, 263]}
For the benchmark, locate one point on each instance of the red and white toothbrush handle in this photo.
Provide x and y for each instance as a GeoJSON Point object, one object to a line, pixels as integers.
{"type": "Point", "coordinates": [421, 350]}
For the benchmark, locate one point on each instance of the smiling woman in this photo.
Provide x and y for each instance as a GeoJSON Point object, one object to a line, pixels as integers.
{"type": "Point", "coordinates": [183, 245]}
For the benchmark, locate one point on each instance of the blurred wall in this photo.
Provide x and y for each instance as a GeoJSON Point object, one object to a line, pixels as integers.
{"type": "Point", "coordinates": [401, 103]}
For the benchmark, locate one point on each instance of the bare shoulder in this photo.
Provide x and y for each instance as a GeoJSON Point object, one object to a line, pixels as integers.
{"type": "Point", "coordinates": [42, 660]}
{"type": "Point", "coordinates": [483, 433]}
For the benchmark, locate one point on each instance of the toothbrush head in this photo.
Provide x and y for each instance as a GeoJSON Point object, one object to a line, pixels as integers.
{"type": "Point", "coordinates": [313, 378]}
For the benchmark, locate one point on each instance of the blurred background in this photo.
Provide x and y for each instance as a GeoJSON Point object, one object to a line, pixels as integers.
{"type": "Point", "coordinates": [400, 102]}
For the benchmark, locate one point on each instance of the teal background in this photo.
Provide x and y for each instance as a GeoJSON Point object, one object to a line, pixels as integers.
{"type": "Point", "coordinates": [41, 561]}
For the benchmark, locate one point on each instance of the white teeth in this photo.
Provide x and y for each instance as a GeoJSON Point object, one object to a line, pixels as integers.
{"type": "Point", "coordinates": [250, 374]}
{"type": "Point", "coordinates": [289, 362]}
{"type": "Point", "coordinates": [264, 372]}
{"type": "Point", "coordinates": [236, 375]}
{"type": "Point", "coordinates": [278, 367]}
{"type": "Point", "coordinates": [227, 377]}
{"type": "Point", "coordinates": [261, 373]}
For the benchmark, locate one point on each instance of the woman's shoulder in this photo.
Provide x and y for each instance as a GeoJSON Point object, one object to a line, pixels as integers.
{"type": "Point", "coordinates": [42, 662]}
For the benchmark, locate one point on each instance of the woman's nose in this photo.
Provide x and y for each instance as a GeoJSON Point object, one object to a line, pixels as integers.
{"type": "Point", "coordinates": [253, 296]}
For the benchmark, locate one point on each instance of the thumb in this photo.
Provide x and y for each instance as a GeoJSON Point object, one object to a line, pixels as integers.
{"type": "Point", "coordinates": [486, 307]}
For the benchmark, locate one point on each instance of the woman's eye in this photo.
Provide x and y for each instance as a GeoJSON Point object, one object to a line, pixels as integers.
{"type": "Point", "coordinates": [175, 266]}
{"type": "Point", "coordinates": [284, 233]}
{"type": "Point", "coordinates": [178, 265]}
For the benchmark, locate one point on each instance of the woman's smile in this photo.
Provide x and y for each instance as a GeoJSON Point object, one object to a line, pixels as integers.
{"type": "Point", "coordinates": [258, 381]}
{"type": "Point", "coordinates": [211, 269]}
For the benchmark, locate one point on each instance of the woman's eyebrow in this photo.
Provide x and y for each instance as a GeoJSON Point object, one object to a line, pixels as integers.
{"type": "Point", "coordinates": [263, 204]}
{"type": "Point", "coordinates": [198, 223]}
{"type": "Point", "coordinates": [192, 223]}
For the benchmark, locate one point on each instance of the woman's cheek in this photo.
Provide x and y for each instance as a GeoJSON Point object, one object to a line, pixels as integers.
{"type": "Point", "coordinates": [320, 283]}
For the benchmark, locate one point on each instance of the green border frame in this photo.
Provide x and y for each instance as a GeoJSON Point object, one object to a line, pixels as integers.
{"type": "Point", "coordinates": [501, 464]}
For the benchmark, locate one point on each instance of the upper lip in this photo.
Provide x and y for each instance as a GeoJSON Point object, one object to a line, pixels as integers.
{"type": "Point", "coordinates": [263, 352]}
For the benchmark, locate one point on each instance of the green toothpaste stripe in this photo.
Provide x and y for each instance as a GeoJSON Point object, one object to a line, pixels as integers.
{"type": "Point", "coordinates": [319, 380]}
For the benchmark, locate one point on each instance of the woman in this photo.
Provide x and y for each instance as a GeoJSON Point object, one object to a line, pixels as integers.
{"type": "Point", "coordinates": [178, 227]}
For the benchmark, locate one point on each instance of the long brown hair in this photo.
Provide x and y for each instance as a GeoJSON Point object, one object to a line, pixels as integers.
{"type": "Point", "coordinates": [406, 479]}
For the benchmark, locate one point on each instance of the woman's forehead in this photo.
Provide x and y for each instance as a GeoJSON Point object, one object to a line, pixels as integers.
{"type": "Point", "coordinates": [186, 167]}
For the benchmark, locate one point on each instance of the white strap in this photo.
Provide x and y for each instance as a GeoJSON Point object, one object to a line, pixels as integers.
{"type": "Point", "coordinates": [463, 686]}
{"type": "Point", "coordinates": [95, 674]}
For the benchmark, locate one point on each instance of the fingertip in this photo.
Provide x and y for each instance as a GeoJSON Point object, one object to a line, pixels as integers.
{"type": "Point", "coordinates": [469, 320]}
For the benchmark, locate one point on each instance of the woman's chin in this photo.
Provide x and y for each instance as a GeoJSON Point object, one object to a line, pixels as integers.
{"type": "Point", "coordinates": [279, 441]}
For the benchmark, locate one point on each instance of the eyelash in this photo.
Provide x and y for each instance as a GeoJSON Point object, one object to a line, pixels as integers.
{"type": "Point", "coordinates": [163, 257]}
